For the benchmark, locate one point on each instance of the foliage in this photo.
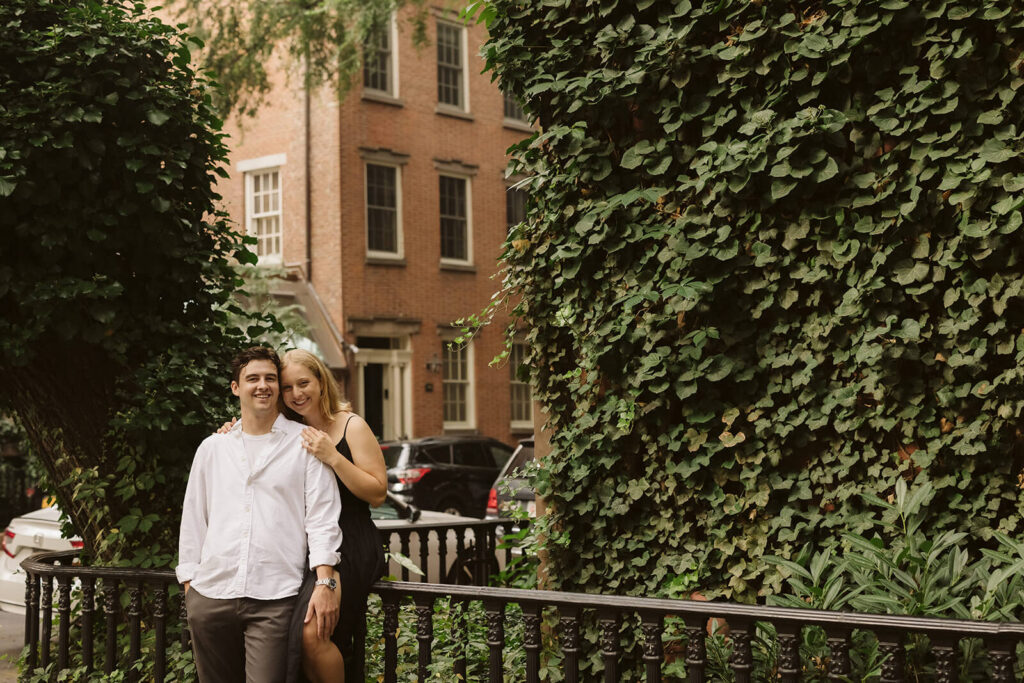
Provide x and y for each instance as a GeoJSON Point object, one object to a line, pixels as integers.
{"type": "Point", "coordinates": [900, 566]}
{"type": "Point", "coordinates": [320, 39]}
{"type": "Point", "coordinates": [115, 267]}
{"type": "Point", "coordinates": [771, 262]}
{"type": "Point", "coordinates": [256, 300]}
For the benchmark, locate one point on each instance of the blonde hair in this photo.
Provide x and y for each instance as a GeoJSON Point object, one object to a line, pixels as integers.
{"type": "Point", "coordinates": [331, 401]}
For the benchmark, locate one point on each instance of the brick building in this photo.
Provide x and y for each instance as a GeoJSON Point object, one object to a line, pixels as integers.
{"type": "Point", "coordinates": [388, 211]}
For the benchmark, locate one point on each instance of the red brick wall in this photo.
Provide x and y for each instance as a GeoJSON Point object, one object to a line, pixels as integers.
{"type": "Point", "coordinates": [349, 287]}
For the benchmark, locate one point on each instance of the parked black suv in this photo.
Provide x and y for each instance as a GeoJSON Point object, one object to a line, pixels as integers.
{"type": "Point", "coordinates": [446, 473]}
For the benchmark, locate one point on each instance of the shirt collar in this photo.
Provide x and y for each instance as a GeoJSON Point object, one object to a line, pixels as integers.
{"type": "Point", "coordinates": [276, 428]}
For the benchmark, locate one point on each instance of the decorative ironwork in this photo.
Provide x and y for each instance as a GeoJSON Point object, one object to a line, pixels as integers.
{"type": "Point", "coordinates": [894, 666]}
{"type": "Point", "coordinates": [610, 636]}
{"type": "Point", "coordinates": [945, 663]}
{"type": "Point", "coordinates": [741, 658]}
{"type": "Point", "coordinates": [531, 631]}
{"type": "Point", "coordinates": [151, 586]}
{"type": "Point", "coordinates": [1002, 666]}
{"type": "Point", "coordinates": [496, 627]}
{"type": "Point", "coordinates": [570, 633]}
{"type": "Point", "coordinates": [839, 661]}
{"type": "Point", "coordinates": [424, 622]}
{"type": "Point", "coordinates": [789, 653]}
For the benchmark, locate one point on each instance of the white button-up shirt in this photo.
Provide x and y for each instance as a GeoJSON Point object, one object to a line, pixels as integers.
{"type": "Point", "coordinates": [246, 530]}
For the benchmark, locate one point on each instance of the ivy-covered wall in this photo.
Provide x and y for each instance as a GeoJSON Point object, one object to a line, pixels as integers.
{"type": "Point", "coordinates": [772, 261]}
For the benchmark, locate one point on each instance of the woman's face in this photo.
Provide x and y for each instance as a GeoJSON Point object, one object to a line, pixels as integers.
{"type": "Point", "coordinates": [300, 389]}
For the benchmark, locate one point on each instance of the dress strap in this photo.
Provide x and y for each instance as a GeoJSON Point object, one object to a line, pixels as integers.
{"type": "Point", "coordinates": [343, 433]}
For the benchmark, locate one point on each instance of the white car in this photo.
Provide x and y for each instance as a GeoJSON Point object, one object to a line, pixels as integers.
{"type": "Point", "coordinates": [35, 532]}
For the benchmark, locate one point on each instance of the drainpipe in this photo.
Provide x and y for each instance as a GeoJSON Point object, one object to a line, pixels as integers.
{"type": "Point", "coordinates": [308, 183]}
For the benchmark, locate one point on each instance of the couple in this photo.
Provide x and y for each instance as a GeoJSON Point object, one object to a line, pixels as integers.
{"type": "Point", "coordinates": [275, 553]}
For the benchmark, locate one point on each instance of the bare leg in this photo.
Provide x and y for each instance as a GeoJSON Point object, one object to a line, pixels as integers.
{"type": "Point", "coordinates": [321, 660]}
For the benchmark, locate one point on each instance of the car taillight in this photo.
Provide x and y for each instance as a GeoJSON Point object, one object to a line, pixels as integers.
{"type": "Point", "coordinates": [412, 475]}
{"type": "Point", "coordinates": [492, 501]}
{"type": "Point", "coordinates": [77, 545]}
{"type": "Point", "coordinates": [8, 537]}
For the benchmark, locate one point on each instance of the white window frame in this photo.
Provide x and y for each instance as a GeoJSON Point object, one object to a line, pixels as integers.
{"type": "Point", "coordinates": [447, 260]}
{"type": "Point", "coordinates": [392, 32]}
{"type": "Point", "coordinates": [400, 234]}
{"type": "Point", "coordinates": [514, 424]}
{"type": "Point", "coordinates": [464, 53]}
{"type": "Point", "coordinates": [469, 381]}
{"type": "Point", "coordinates": [250, 168]}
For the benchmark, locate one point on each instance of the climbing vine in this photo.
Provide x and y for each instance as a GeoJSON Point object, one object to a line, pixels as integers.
{"type": "Point", "coordinates": [772, 261]}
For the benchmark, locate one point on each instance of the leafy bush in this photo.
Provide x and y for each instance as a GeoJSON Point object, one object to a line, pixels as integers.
{"type": "Point", "coordinates": [115, 266]}
{"type": "Point", "coordinates": [900, 566]}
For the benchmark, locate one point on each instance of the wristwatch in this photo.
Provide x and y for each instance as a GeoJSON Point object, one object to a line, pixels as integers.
{"type": "Point", "coordinates": [330, 583]}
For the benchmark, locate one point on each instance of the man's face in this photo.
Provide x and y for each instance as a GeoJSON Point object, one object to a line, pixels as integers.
{"type": "Point", "coordinates": [257, 387]}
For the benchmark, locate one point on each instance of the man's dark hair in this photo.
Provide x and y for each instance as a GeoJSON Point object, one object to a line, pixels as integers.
{"type": "Point", "coordinates": [249, 355]}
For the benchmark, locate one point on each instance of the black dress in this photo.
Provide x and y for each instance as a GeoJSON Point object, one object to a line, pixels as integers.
{"type": "Point", "coordinates": [362, 563]}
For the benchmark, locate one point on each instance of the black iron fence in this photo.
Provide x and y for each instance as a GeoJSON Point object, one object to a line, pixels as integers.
{"type": "Point", "coordinates": [566, 615]}
{"type": "Point", "coordinates": [93, 606]}
{"type": "Point", "coordinates": [94, 603]}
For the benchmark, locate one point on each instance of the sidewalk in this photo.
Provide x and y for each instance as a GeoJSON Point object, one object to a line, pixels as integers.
{"type": "Point", "coordinates": [12, 637]}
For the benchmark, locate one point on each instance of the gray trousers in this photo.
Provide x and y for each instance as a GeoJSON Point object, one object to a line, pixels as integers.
{"type": "Point", "coordinates": [239, 640]}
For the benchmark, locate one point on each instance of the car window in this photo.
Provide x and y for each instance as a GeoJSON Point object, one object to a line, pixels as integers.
{"type": "Point", "coordinates": [469, 455]}
{"type": "Point", "coordinates": [497, 455]}
{"type": "Point", "coordinates": [439, 454]}
{"type": "Point", "coordinates": [523, 455]}
{"type": "Point", "coordinates": [393, 453]}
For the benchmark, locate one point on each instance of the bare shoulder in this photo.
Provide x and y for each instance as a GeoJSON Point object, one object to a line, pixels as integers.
{"type": "Point", "coordinates": [358, 431]}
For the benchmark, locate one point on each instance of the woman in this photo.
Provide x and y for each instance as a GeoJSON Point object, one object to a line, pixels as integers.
{"type": "Point", "coordinates": [344, 442]}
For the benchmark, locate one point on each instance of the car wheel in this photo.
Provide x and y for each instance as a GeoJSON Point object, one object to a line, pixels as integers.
{"type": "Point", "coordinates": [452, 507]}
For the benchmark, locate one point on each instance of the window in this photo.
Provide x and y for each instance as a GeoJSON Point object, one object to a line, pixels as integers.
{"type": "Point", "coordinates": [522, 405]}
{"type": "Point", "coordinates": [499, 455]}
{"type": "Point", "coordinates": [437, 455]}
{"type": "Point", "coordinates": [263, 212]}
{"type": "Point", "coordinates": [457, 384]}
{"type": "Point", "coordinates": [454, 219]}
{"type": "Point", "coordinates": [451, 87]}
{"type": "Point", "coordinates": [513, 110]}
{"type": "Point", "coordinates": [515, 207]}
{"type": "Point", "coordinates": [382, 210]}
{"type": "Point", "coordinates": [469, 455]}
{"type": "Point", "coordinates": [379, 61]}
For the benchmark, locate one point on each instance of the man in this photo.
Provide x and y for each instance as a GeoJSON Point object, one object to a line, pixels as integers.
{"type": "Point", "coordinates": [256, 506]}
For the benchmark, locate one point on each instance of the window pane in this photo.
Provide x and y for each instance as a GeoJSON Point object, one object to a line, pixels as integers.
{"type": "Point", "coordinates": [381, 208]}
{"type": "Point", "coordinates": [377, 60]}
{"type": "Point", "coordinates": [513, 110]}
{"type": "Point", "coordinates": [449, 64]}
{"type": "Point", "coordinates": [264, 212]}
{"type": "Point", "coordinates": [515, 207]}
{"type": "Point", "coordinates": [454, 240]}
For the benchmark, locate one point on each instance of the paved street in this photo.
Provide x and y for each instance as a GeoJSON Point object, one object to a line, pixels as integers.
{"type": "Point", "coordinates": [12, 633]}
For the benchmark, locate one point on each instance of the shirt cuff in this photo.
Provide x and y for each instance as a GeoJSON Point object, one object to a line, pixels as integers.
{"type": "Point", "coordinates": [186, 572]}
{"type": "Point", "coordinates": [323, 557]}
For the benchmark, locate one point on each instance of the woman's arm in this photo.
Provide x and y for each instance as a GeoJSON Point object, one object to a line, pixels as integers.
{"type": "Point", "coordinates": [366, 476]}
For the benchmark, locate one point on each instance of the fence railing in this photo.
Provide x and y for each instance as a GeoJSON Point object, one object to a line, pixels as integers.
{"type": "Point", "coordinates": [96, 602]}
{"type": "Point", "coordinates": [137, 599]}
{"type": "Point", "coordinates": [573, 610]}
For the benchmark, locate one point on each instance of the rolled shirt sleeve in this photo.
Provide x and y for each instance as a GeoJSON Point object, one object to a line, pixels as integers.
{"type": "Point", "coordinates": [323, 509]}
{"type": "Point", "coordinates": [194, 519]}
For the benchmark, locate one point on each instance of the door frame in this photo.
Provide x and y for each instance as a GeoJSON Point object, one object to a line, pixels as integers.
{"type": "Point", "coordinates": [398, 377]}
